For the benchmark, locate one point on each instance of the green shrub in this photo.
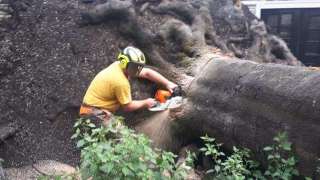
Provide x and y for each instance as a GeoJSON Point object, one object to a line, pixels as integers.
{"type": "Point", "coordinates": [117, 152]}
{"type": "Point", "coordinates": [281, 162]}
{"type": "Point", "coordinates": [57, 177]}
{"type": "Point", "coordinates": [238, 166]}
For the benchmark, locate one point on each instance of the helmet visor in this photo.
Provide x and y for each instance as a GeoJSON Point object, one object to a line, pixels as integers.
{"type": "Point", "coordinates": [134, 69]}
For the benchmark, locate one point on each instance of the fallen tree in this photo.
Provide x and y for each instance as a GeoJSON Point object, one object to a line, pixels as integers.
{"type": "Point", "coordinates": [244, 103]}
{"type": "Point", "coordinates": [240, 102]}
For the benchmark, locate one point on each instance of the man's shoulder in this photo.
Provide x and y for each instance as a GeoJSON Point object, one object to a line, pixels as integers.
{"type": "Point", "coordinates": [120, 82]}
{"type": "Point", "coordinates": [116, 75]}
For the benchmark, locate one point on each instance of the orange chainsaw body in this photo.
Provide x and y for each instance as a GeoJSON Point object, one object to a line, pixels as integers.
{"type": "Point", "coordinates": [162, 95]}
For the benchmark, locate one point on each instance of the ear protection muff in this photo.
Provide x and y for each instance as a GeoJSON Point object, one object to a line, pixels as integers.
{"type": "Point", "coordinates": [124, 60]}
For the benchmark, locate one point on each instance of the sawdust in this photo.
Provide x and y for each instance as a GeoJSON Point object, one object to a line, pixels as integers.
{"type": "Point", "coordinates": [158, 129]}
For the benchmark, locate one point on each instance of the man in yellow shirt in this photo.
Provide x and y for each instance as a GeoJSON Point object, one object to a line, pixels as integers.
{"type": "Point", "coordinates": [110, 89]}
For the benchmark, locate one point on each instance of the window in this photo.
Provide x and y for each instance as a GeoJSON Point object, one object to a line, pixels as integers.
{"type": "Point", "coordinates": [286, 19]}
{"type": "Point", "coordinates": [315, 23]}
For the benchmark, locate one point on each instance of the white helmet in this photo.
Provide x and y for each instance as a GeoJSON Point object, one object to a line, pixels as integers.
{"type": "Point", "coordinates": [131, 55]}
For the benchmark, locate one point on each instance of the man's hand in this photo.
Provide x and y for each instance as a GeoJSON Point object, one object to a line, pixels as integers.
{"type": "Point", "coordinates": [150, 102]}
{"type": "Point", "coordinates": [170, 86]}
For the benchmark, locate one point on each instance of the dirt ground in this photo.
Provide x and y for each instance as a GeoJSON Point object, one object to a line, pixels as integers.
{"type": "Point", "coordinates": [45, 58]}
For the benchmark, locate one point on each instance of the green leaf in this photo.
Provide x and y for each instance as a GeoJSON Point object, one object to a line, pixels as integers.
{"type": "Point", "coordinates": [80, 143]}
{"type": "Point", "coordinates": [210, 171]}
{"type": "Point", "coordinates": [268, 148]}
{"type": "Point", "coordinates": [58, 178]}
{"type": "Point", "coordinates": [74, 136]}
{"type": "Point", "coordinates": [292, 161]}
{"type": "Point", "coordinates": [217, 168]}
{"type": "Point", "coordinates": [203, 149]}
{"type": "Point", "coordinates": [286, 146]}
{"type": "Point", "coordinates": [125, 171]}
{"type": "Point", "coordinates": [92, 125]}
{"type": "Point", "coordinates": [77, 123]}
{"type": "Point", "coordinates": [267, 172]}
{"type": "Point", "coordinates": [295, 172]}
{"type": "Point", "coordinates": [270, 157]}
{"type": "Point", "coordinates": [106, 168]}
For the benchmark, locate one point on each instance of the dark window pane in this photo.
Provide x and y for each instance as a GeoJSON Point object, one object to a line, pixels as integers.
{"type": "Point", "coordinates": [286, 19]}
{"type": "Point", "coordinates": [285, 33]}
{"type": "Point", "coordinates": [272, 20]}
{"type": "Point", "coordinates": [312, 49]}
{"type": "Point", "coordinates": [313, 36]}
{"type": "Point", "coordinates": [314, 22]}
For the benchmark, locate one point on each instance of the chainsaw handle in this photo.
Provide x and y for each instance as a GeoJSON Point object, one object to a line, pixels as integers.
{"type": "Point", "coordinates": [156, 104]}
{"type": "Point", "coordinates": [177, 91]}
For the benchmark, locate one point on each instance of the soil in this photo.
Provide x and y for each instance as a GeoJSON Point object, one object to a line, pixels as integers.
{"type": "Point", "coordinates": [46, 63]}
{"type": "Point", "coordinates": [47, 60]}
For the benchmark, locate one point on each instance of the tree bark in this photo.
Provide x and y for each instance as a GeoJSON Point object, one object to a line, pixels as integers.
{"type": "Point", "coordinates": [246, 104]}
{"type": "Point", "coordinates": [243, 103]}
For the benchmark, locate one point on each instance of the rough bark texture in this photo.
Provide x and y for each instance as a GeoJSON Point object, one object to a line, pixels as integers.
{"type": "Point", "coordinates": [247, 104]}
{"type": "Point", "coordinates": [50, 50]}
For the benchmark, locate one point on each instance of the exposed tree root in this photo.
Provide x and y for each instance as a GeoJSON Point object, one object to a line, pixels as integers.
{"type": "Point", "coordinates": [191, 29]}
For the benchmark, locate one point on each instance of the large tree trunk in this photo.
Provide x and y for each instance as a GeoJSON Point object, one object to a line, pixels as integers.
{"type": "Point", "coordinates": [247, 104]}
{"type": "Point", "coordinates": [243, 103]}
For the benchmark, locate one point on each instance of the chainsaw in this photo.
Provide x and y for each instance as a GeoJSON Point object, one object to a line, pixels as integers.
{"type": "Point", "coordinates": [167, 100]}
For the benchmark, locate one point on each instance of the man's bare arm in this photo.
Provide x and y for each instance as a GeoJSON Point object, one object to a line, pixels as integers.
{"type": "Point", "coordinates": [139, 104]}
{"type": "Point", "coordinates": [156, 77]}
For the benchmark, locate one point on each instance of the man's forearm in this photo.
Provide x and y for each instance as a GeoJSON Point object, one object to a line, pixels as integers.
{"type": "Point", "coordinates": [134, 105]}
{"type": "Point", "coordinates": [154, 76]}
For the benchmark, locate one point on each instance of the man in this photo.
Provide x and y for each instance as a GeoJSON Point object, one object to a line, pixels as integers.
{"type": "Point", "coordinates": [110, 89]}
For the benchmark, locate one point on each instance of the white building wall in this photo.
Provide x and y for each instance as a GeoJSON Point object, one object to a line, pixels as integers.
{"type": "Point", "coordinates": [256, 6]}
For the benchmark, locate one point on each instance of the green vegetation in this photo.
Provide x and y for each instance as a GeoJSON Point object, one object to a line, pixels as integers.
{"type": "Point", "coordinates": [237, 166]}
{"type": "Point", "coordinates": [281, 162]}
{"type": "Point", "coordinates": [280, 167]}
{"type": "Point", "coordinates": [117, 152]}
{"type": "Point", "coordinates": [58, 177]}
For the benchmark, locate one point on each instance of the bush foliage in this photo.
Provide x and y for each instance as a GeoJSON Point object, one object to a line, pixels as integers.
{"type": "Point", "coordinates": [238, 166]}
{"type": "Point", "coordinates": [117, 152]}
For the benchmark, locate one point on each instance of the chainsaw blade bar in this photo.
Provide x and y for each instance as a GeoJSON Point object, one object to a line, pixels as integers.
{"type": "Point", "coordinates": [172, 103]}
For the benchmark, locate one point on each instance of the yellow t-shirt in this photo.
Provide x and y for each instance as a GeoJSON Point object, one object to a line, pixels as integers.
{"type": "Point", "coordinates": [109, 89]}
